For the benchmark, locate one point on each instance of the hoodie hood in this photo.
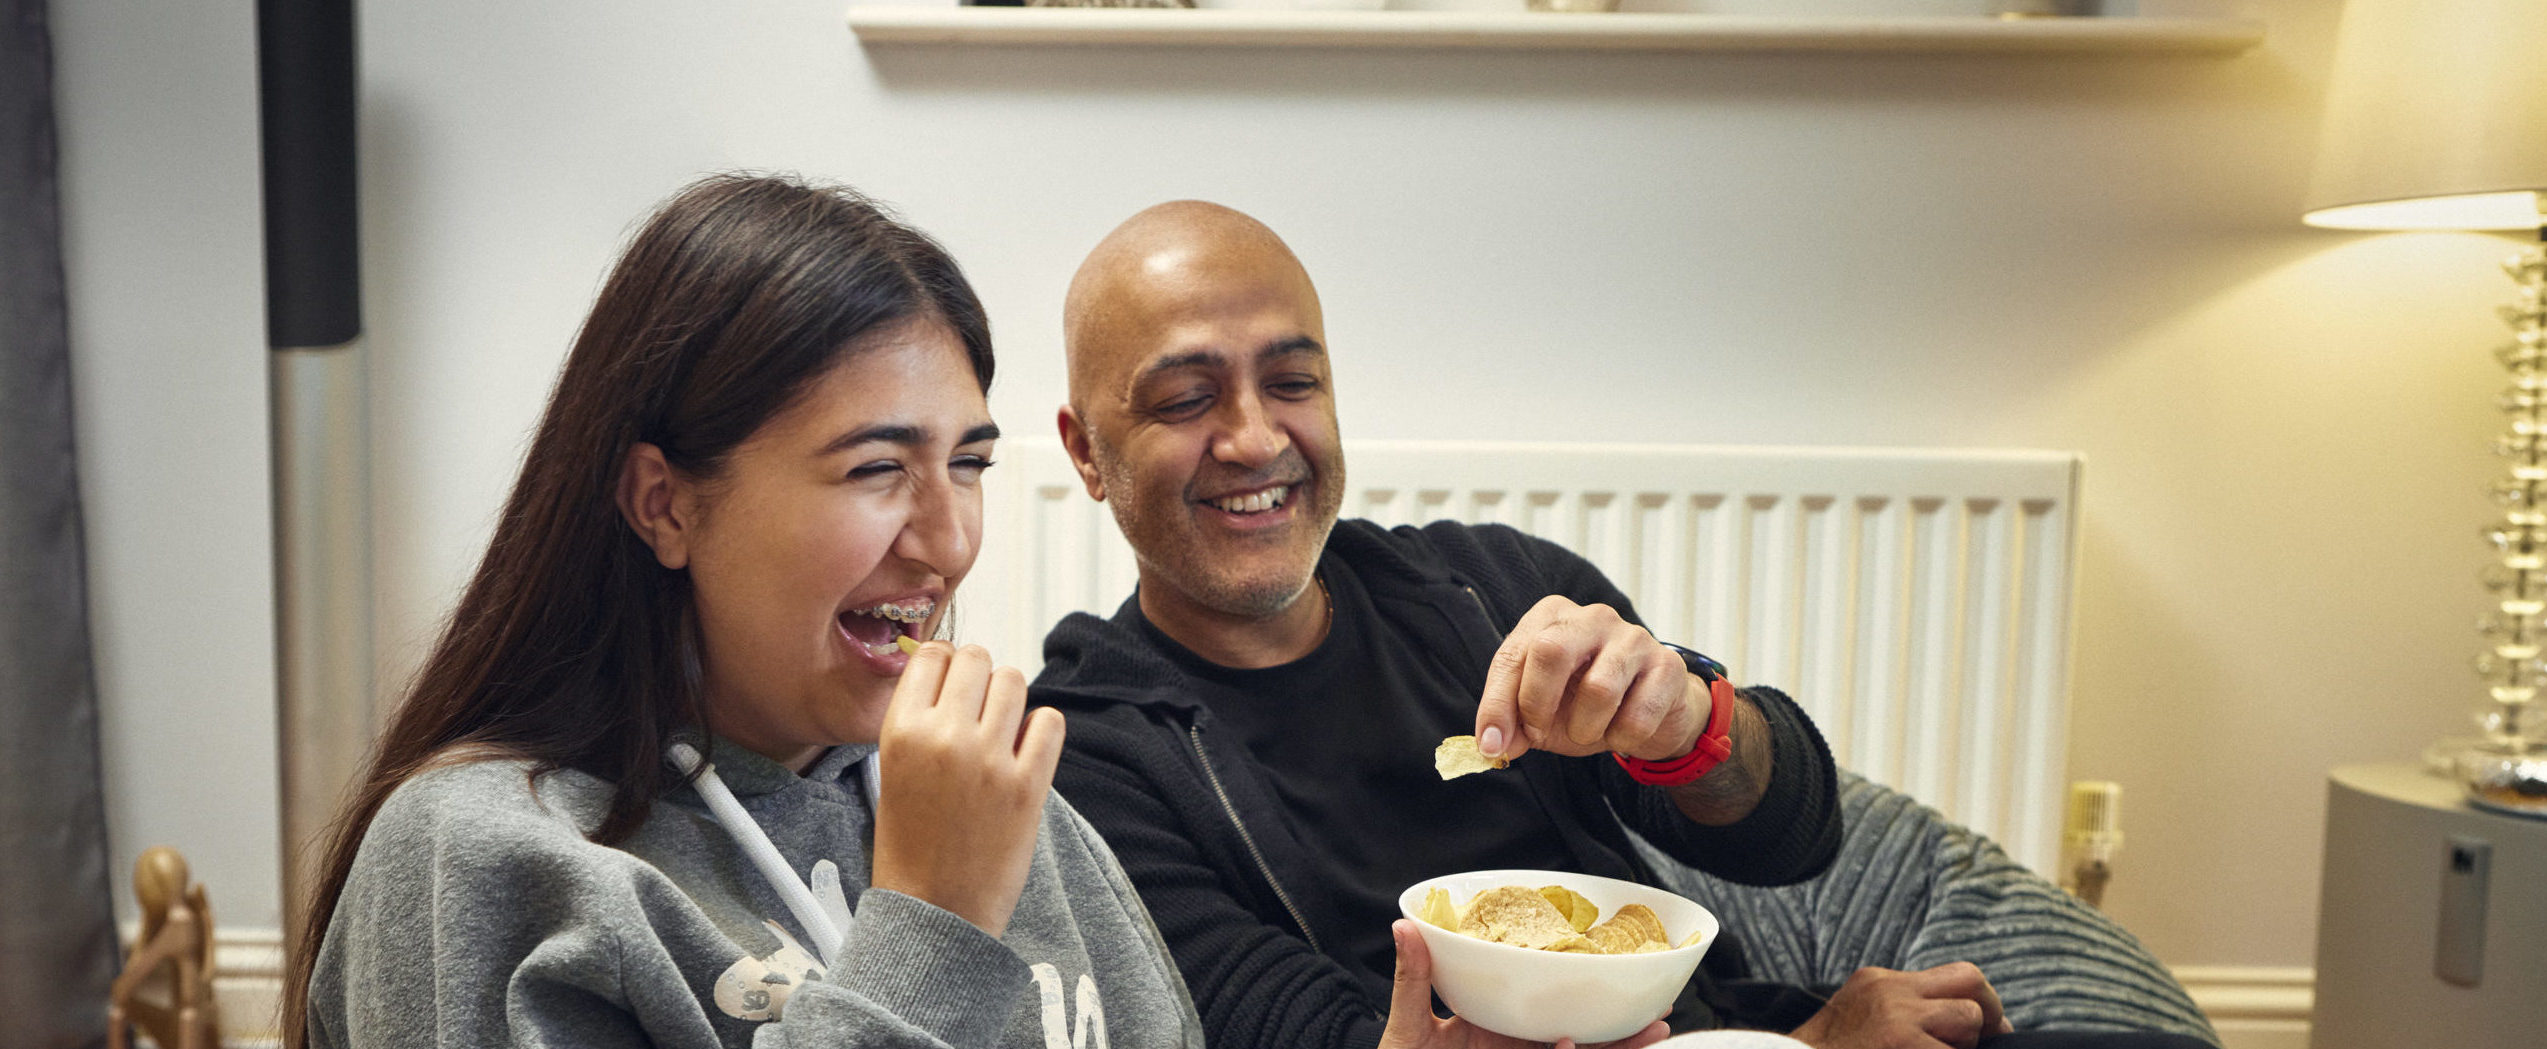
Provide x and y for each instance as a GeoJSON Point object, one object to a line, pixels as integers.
{"type": "Point", "coordinates": [750, 774]}
{"type": "Point", "coordinates": [1091, 662]}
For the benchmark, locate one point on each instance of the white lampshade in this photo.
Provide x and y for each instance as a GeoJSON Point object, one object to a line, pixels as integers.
{"type": "Point", "coordinates": [2436, 118]}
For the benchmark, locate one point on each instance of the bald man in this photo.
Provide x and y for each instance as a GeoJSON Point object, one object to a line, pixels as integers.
{"type": "Point", "coordinates": [1251, 729]}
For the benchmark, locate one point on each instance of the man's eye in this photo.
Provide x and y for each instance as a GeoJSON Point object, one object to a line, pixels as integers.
{"type": "Point", "coordinates": [1182, 409]}
{"type": "Point", "coordinates": [875, 469]}
{"type": "Point", "coordinates": [1294, 389]}
{"type": "Point", "coordinates": [971, 464]}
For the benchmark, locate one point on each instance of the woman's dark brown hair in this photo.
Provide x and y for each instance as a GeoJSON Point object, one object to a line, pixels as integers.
{"type": "Point", "coordinates": [572, 647]}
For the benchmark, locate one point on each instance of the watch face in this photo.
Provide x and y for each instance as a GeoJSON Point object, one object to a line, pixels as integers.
{"type": "Point", "coordinates": [1698, 662]}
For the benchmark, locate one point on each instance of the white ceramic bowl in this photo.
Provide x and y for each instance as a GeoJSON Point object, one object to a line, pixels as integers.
{"type": "Point", "coordinates": [1542, 996]}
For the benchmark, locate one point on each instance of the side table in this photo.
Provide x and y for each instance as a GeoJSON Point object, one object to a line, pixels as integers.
{"type": "Point", "coordinates": [2432, 926]}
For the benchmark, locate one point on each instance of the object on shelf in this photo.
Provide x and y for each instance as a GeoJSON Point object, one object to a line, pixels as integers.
{"type": "Point", "coordinates": [1494, 6]}
{"type": "Point", "coordinates": [1289, 5]}
{"type": "Point", "coordinates": [1513, 29]}
{"type": "Point", "coordinates": [2043, 9]}
{"type": "Point", "coordinates": [1575, 6]}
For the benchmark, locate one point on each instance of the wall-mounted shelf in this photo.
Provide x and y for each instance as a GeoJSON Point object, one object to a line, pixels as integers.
{"type": "Point", "coordinates": [1170, 27]}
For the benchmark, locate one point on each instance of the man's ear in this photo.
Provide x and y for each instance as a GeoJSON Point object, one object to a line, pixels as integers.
{"type": "Point", "coordinates": [649, 498]}
{"type": "Point", "coordinates": [1074, 439]}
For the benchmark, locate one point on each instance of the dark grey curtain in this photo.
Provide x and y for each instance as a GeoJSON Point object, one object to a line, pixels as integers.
{"type": "Point", "coordinates": [57, 925]}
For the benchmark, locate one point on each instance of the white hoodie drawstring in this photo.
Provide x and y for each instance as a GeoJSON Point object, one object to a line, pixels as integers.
{"type": "Point", "coordinates": [813, 912]}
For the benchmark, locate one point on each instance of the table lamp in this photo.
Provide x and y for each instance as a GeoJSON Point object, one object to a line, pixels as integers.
{"type": "Point", "coordinates": [2436, 119]}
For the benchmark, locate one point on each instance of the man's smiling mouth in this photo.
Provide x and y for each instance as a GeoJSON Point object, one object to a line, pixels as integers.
{"type": "Point", "coordinates": [1252, 503]}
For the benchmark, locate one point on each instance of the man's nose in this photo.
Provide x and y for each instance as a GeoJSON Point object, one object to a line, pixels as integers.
{"type": "Point", "coordinates": [1249, 438]}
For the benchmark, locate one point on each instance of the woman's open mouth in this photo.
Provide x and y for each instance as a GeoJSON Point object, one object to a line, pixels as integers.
{"type": "Point", "coordinates": [877, 628]}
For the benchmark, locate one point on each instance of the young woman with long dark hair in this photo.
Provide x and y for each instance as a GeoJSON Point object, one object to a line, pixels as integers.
{"type": "Point", "coordinates": [633, 790]}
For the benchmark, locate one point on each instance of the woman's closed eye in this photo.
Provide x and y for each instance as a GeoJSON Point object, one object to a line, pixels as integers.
{"type": "Point", "coordinates": [963, 467]}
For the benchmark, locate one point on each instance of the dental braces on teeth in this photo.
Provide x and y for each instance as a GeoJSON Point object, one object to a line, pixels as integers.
{"type": "Point", "coordinates": [910, 613]}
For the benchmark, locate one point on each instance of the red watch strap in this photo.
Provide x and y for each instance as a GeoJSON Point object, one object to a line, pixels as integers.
{"type": "Point", "coordinates": [1713, 747]}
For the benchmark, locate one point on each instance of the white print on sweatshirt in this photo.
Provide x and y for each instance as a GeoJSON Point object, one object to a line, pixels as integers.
{"type": "Point", "coordinates": [1057, 1016]}
{"type": "Point", "coordinates": [757, 989]}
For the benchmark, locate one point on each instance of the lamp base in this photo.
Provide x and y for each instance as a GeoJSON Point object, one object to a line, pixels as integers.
{"type": "Point", "coordinates": [2508, 776]}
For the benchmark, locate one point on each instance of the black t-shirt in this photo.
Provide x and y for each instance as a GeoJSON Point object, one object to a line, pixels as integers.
{"type": "Point", "coordinates": [1346, 735]}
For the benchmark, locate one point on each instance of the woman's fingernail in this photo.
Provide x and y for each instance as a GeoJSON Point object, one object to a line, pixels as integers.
{"type": "Point", "coordinates": [1490, 742]}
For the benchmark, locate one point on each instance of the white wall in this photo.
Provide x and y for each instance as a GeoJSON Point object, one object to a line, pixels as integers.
{"type": "Point", "coordinates": [156, 104]}
{"type": "Point", "coordinates": [2284, 427]}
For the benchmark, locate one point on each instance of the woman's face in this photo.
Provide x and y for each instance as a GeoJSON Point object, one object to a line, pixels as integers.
{"type": "Point", "coordinates": [843, 523]}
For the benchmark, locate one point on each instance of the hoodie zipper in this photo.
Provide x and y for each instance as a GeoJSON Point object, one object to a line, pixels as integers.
{"type": "Point", "coordinates": [1491, 630]}
{"type": "Point", "coordinates": [1195, 733]}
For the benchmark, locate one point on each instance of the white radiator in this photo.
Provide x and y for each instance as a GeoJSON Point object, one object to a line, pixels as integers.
{"type": "Point", "coordinates": [1916, 602]}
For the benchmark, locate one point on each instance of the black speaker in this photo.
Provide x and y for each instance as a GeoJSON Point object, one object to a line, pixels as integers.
{"type": "Point", "coordinates": [305, 102]}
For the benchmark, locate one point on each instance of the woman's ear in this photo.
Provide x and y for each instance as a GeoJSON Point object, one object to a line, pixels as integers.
{"type": "Point", "coordinates": [649, 499]}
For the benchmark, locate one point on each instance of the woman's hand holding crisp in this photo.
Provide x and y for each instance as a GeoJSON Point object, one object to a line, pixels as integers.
{"type": "Point", "coordinates": [966, 770]}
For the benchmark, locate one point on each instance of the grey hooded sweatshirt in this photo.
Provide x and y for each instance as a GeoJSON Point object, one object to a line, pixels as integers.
{"type": "Point", "coordinates": [477, 913]}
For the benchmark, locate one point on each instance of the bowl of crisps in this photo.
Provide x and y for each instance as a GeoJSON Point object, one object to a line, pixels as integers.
{"type": "Point", "coordinates": [1543, 955]}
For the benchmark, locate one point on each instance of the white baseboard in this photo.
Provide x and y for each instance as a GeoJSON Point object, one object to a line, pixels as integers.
{"type": "Point", "coordinates": [2253, 1006]}
{"type": "Point", "coordinates": [247, 979]}
{"type": "Point", "coordinates": [247, 983]}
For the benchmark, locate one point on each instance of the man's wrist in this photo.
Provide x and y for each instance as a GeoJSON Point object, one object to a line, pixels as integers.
{"type": "Point", "coordinates": [1713, 743]}
{"type": "Point", "coordinates": [1707, 672]}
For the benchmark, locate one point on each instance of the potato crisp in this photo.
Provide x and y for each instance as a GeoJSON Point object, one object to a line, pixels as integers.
{"type": "Point", "coordinates": [1459, 756]}
{"type": "Point", "coordinates": [1551, 918]}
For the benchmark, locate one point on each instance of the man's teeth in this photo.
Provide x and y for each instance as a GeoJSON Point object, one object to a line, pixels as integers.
{"type": "Point", "coordinates": [909, 612]}
{"type": "Point", "coordinates": [1256, 503]}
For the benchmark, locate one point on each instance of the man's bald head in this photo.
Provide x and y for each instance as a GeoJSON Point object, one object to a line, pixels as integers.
{"type": "Point", "coordinates": [1203, 411]}
{"type": "Point", "coordinates": [1155, 265]}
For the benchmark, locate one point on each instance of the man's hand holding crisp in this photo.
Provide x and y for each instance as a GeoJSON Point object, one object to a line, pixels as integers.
{"type": "Point", "coordinates": [966, 770]}
{"type": "Point", "coordinates": [1950, 1005]}
{"type": "Point", "coordinates": [1579, 679]}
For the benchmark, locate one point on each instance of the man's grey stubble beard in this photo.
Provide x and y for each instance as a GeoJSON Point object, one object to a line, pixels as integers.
{"type": "Point", "coordinates": [1236, 598]}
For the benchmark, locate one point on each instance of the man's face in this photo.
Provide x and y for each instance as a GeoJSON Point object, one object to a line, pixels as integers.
{"type": "Point", "coordinates": [1210, 426]}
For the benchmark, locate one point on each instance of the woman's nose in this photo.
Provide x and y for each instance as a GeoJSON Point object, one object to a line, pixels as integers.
{"type": "Point", "coordinates": [940, 532]}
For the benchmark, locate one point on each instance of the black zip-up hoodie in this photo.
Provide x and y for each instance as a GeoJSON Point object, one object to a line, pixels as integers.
{"type": "Point", "coordinates": [1199, 830]}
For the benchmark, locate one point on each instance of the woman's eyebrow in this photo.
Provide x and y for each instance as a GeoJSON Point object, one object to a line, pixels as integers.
{"type": "Point", "coordinates": [905, 434]}
{"type": "Point", "coordinates": [887, 433]}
